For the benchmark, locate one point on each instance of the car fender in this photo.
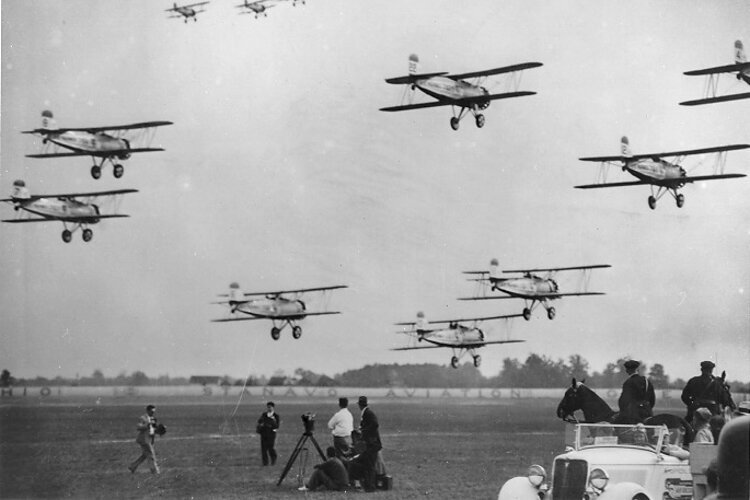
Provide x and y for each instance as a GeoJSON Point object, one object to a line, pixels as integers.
{"type": "Point", "coordinates": [624, 491]}
{"type": "Point", "coordinates": [518, 488]}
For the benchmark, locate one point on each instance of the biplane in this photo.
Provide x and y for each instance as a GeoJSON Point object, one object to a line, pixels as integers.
{"type": "Point", "coordinates": [741, 66]}
{"type": "Point", "coordinates": [663, 176]}
{"type": "Point", "coordinates": [108, 144]}
{"type": "Point", "coordinates": [462, 339]}
{"type": "Point", "coordinates": [74, 213]}
{"type": "Point", "coordinates": [533, 289]}
{"type": "Point", "coordinates": [186, 11]}
{"type": "Point", "coordinates": [282, 307]}
{"type": "Point", "coordinates": [258, 7]}
{"type": "Point", "coordinates": [454, 90]}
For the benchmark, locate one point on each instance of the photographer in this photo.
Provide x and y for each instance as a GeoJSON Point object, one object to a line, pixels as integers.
{"type": "Point", "coordinates": [147, 428]}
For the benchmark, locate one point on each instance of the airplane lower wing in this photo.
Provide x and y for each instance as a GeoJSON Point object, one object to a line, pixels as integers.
{"type": "Point", "coordinates": [540, 296]}
{"type": "Point", "coordinates": [114, 152]}
{"type": "Point", "coordinates": [416, 106]}
{"type": "Point", "coordinates": [462, 346]}
{"type": "Point", "coordinates": [710, 100]}
{"type": "Point", "coordinates": [86, 219]}
{"type": "Point", "coordinates": [611, 184]}
{"type": "Point", "coordinates": [464, 103]}
{"type": "Point", "coordinates": [670, 183]}
{"type": "Point", "coordinates": [279, 317]}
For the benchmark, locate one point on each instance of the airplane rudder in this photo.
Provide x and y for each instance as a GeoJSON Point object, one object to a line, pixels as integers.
{"type": "Point", "coordinates": [625, 146]}
{"type": "Point", "coordinates": [413, 64]}
{"type": "Point", "coordinates": [48, 120]}
{"type": "Point", "coordinates": [739, 52]}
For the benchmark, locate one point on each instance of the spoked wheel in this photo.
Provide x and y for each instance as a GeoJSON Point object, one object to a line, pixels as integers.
{"type": "Point", "coordinates": [651, 202]}
{"type": "Point", "coordinates": [551, 313]}
{"type": "Point", "coordinates": [526, 313]}
{"type": "Point", "coordinates": [275, 333]}
{"type": "Point", "coordinates": [454, 362]}
{"type": "Point", "coordinates": [96, 171]}
{"type": "Point", "coordinates": [477, 360]}
{"type": "Point", "coordinates": [480, 121]}
{"type": "Point", "coordinates": [67, 236]}
{"type": "Point", "coordinates": [118, 170]}
{"type": "Point", "coordinates": [454, 123]}
{"type": "Point", "coordinates": [297, 332]}
{"type": "Point", "coordinates": [680, 200]}
{"type": "Point", "coordinates": [87, 234]}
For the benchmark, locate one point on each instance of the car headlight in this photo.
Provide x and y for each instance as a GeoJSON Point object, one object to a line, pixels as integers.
{"type": "Point", "coordinates": [599, 479]}
{"type": "Point", "coordinates": [536, 475]}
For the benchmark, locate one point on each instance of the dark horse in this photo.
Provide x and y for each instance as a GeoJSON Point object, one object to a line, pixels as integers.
{"type": "Point", "coordinates": [579, 397]}
{"type": "Point", "coordinates": [715, 397]}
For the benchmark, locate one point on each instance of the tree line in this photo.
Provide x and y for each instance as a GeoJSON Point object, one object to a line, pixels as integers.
{"type": "Point", "coordinates": [535, 372]}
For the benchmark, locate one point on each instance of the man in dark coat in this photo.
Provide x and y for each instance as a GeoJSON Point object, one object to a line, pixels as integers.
{"type": "Point", "coordinates": [268, 425]}
{"type": "Point", "coordinates": [362, 466]}
{"type": "Point", "coordinates": [637, 399]}
{"type": "Point", "coordinates": [696, 387]}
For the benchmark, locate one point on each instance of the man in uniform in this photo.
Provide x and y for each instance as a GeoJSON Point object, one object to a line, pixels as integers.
{"type": "Point", "coordinates": [637, 399]}
{"type": "Point", "coordinates": [696, 386]}
{"type": "Point", "coordinates": [146, 430]}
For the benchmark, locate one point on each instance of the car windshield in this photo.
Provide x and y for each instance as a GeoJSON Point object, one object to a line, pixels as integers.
{"type": "Point", "coordinates": [604, 434]}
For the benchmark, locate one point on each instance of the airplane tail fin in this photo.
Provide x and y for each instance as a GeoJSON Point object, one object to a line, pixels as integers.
{"type": "Point", "coordinates": [739, 52]}
{"type": "Point", "coordinates": [20, 191]}
{"type": "Point", "coordinates": [413, 64]}
{"type": "Point", "coordinates": [494, 271]}
{"type": "Point", "coordinates": [235, 293]}
{"type": "Point", "coordinates": [421, 325]}
{"type": "Point", "coordinates": [625, 147]}
{"type": "Point", "coordinates": [48, 120]}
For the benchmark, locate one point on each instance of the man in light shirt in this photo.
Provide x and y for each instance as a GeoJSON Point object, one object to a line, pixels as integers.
{"type": "Point", "coordinates": [341, 426]}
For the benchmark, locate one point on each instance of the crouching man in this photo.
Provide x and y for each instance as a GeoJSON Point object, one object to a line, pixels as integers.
{"type": "Point", "coordinates": [331, 474]}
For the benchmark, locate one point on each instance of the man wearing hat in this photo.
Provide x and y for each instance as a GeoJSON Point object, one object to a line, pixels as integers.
{"type": "Point", "coordinates": [341, 426]}
{"type": "Point", "coordinates": [146, 430]}
{"type": "Point", "coordinates": [363, 465]}
{"type": "Point", "coordinates": [696, 387]}
{"type": "Point", "coordinates": [637, 398]}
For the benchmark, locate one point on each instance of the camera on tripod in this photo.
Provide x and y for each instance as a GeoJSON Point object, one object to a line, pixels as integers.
{"type": "Point", "coordinates": [308, 420]}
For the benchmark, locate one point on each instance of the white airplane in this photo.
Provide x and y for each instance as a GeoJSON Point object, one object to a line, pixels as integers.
{"type": "Point", "coordinates": [66, 208]}
{"type": "Point", "coordinates": [741, 66]}
{"type": "Point", "coordinates": [106, 143]}
{"type": "Point", "coordinates": [280, 309]}
{"type": "Point", "coordinates": [533, 289]}
{"type": "Point", "coordinates": [651, 169]}
{"type": "Point", "coordinates": [186, 11]}
{"type": "Point", "coordinates": [258, 7]}
{"type": "Point", "coordinates": [460, 338]}
{"type": "Point", "coordinates": [455, 91]}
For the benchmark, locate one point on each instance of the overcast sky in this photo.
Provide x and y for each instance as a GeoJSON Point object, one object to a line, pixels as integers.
{"type": "Point", "coordinates": [280, 172]}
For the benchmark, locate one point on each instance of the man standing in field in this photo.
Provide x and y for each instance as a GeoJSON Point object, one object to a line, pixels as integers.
{"type": "Point", "coordinates": [146, 431]}
{"type": "Point", "coordinates": [364, 464]}
{"type": "Point", "coordinates": [341, 426]}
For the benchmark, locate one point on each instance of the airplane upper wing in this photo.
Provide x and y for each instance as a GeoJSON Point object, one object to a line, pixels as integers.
{"type": "Point", "coordinates": [729, 68]}
{"type": "Point", "coordinates": [536, 295]}
{"type": "Point", "coordinates": [78, 218]}
{"type": "Point", "coordinates": [687, 152]}
{"type": "Point", "coordinates": [721, 98]}
{"type": "Point", "coordinates": [79, 195]}
{"type": "Point", "coordinates": [570, 268]}
{"type": "Point", "coordinates": [185, 6]}
{"type": "Point", "coordinates": [278, 316]}
{"type": "Point", "coordinates": [413, 78]}
{"type": "Point", "coordinates": [94, 130]}
{"type": "Point", "coordinates": [112, 152]}
{"type": "Point", "coordinates": [458, 102]}
{"type": "Point", "coordinates": [485, 318]}
{"type": "Point", "coordinates": [300, 290]}
{"type": "Point", "coordinates": [496, 71]}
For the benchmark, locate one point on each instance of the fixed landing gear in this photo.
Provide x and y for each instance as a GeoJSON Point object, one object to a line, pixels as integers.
{"type": "Point", "coordinates": [526, 313]}
{"type": "Point", "coordinates": [680, 199]}
{"type": "Point", "coordinates": [477, 360]}
{"type": "Point", "coordinates": [87, 234]}
{"type": "Point", "coordinates": [67, 236]}
{"type": "Point", "coordinates": [651, 202]}
{"type": "Point", "coordinates": [275, 333]}
{"type": "Point", "coordinates": [454, 362]}
{"type": "Point", "coordinates": [480, 121]}
{"type": "Point", "coordinates": [297, 331]}
{"type": "Point", "coordinates": [96, 171]}
{"type": "Point", "coordinates": [455, 123]}
{"type": "Point", "coordinates": [118, 170]}
{"type": "Point", "coordinates": [551, 313]}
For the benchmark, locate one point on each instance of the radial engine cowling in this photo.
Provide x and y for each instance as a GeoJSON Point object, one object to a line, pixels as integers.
{"type": "Point", "coordinates": [484, 104]}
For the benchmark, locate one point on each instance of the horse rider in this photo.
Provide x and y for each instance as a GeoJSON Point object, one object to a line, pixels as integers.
{"type": "Point", "coordinates": [692, 394]}
{"type": "Point", "coordinates": [637, 398]}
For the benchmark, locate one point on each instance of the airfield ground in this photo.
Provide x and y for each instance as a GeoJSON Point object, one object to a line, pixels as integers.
{"type": "Point", "coordinates": [452, 448]}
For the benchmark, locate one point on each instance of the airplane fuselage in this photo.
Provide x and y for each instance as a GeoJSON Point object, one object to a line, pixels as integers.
{"type": "Point", "coordinates": [185, 11]}
{"type": "Point", "coordinates": [655, 171]}
{"type": "Point", "coordinates": [60, 209]}
{"type": "Point", "coordinates": [447, 89]}
{"type": "Point", "coordinates": [86, 142]}
{"type": "Point", "coordinates": [526, 287]}
{"type": "Point", "coordinates": [271, 308]}
{"type": "Point", "coordinates": [460, 336]}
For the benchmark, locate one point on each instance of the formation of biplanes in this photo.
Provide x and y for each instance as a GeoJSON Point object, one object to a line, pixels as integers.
{"type": "Point", "coordinates": [467, 94]}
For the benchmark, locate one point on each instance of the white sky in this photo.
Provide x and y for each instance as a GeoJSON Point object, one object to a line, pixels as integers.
{"type": "Point", "coordinates": [280, 172]}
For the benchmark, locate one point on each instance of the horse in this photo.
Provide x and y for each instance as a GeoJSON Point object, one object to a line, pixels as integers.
{"type": "Point", "coordinates": [580, 397]}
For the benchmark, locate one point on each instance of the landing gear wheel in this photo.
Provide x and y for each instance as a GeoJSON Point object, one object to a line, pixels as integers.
{"type": "Point", "coordinates": [680, 200]}
{"type": "Point", "coordinates": [454, 362]}
{"type": "Point", "coordinates": [297, 332]}
{"type": "Point", "coordinates": [477, 360]}
{"type": "Point", "coordinates": [480, 121]}
{"type": "Point", "coordinates": [454, 123]}
{"type": "Point", "coordinates": [118, 170]}
{"type": "Point", "coordinates": [96, 171]}
{"type": "Point", "coordinates": [67, 236]}
{"type": "Point", "coordinates": [526, 313]}
{"type": "Point", "coordinates": [87, 234]}
{"type": "Point", "coordinates": [651, 202]}
{"type": "Point", "coordinates": [551, 313]}
{"type": "Point", "coordinates": [275, 333]}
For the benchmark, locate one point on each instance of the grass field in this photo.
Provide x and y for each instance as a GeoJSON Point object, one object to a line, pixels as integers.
{"type": "Point", "coordinates": [452, 448]}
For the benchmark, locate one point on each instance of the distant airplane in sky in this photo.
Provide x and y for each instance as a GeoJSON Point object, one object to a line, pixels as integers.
{"type": "Point", "coordinates": [455, 91]}
{"type": "Point", "coordinates": [741, 66]}
{"type": "Point", "coordinates": [186, 11]}
{"type": "Point", "coordinates": [258, 7]}
{"type": "Point", "coordinates": [106, 143]}
{"type": "Point", "coordinates": [74, 213]}
{"type": "Point", "coordinates": [652, 170]}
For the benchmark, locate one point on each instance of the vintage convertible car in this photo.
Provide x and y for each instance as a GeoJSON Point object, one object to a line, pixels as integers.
{"type": "Point", "coordinates": [611, 462]}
